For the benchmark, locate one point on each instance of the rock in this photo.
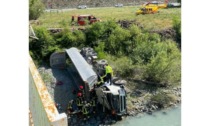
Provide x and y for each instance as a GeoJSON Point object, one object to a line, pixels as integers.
{"type": "Point", "coordinates": [134, 102]}
{"type": "Point", "coordinates": [171, 104]}
{"type": "Point", "coordinates": [113, 121]}
{"type": "Point", "coordinates": [149, 112]}
{"type": "Point", "coordinates": [178, 100]}
{"type": "Point", "coordinates": [106, 122]}
{"type": "Point", "coordinates": [164, 112]}
{"type": "Point", "coordinates": [153, 107]}
{"type": "Point", "coordinates": [145, 109]}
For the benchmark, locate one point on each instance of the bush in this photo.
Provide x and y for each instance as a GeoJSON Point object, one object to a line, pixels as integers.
{"type": "Point", "coordinates": [165, 67]}
{"type": "Point", "coordinates": [42, 48]}
{"type": "Point", "coordinates": [122, 67]}
{"type": "Point", "coordinates": [143, 52]}
{"type": "Point", "coordinates": [100, 50]}
{"type": "Point", "coordinates": [36, 8]}
{"type": "Point", "coordinates": [177, 28]}
{"type": "Point", "coordinates": [99, 31]}
{"type": "Point", "coordinates": [118, 41]}
{"type": "Point", "coordinates": [162, 99]}
{"type": "Point", "coordinates": [66, 39]}
{"type": "Point", "coordinates": [94, 33]}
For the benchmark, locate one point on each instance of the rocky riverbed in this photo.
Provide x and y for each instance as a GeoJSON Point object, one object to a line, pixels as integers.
{"type": "Point", "coordinates": [140, 102]}
{"type": "Point", "coordinates": [60, 85]}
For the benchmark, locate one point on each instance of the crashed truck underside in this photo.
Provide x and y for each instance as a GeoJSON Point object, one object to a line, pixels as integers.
{"type": "Point", "coordinates": [112, 97]}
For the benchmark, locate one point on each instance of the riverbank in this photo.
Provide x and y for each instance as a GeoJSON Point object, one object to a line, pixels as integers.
{"type": "Point", "coordinates": [151, 99]}
{"type": "Point", "coordinates": [139, 97]}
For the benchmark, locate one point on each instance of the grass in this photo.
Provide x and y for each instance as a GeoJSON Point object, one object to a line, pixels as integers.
{"type": "Point", "coordinates": [160, 20]}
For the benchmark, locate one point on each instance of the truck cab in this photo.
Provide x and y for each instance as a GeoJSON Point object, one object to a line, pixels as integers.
{"type": "Point", "coordinates": [113, 98]}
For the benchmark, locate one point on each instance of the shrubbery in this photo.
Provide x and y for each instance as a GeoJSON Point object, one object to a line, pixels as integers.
{"type": "Point", "coordinates": [165, 64]}
{"type": "Point", "coordinates": [163, 99]}
{"type": "Point", "coordinates": [177, 28]}
{"type": "Point", "coordinates": [42, 48]}
{"type": "Point", "coordinates": [36, 8]}
{"type": "Point", "coordinates": [158, 60]}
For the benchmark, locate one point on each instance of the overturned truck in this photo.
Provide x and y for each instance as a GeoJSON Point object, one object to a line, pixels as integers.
{"type": "Point", "coordinates": [111, 96]}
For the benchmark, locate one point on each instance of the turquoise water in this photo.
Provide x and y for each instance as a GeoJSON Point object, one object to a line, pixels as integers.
{"type": "Point", "coordinates": [172, 117]}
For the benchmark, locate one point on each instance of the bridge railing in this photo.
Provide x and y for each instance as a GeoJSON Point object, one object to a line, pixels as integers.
{"type": "Point", "coordinates": [43, 111]}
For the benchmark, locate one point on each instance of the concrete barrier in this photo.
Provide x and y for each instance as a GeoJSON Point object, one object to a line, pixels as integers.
{"type": "Point", "coordinates": [43, 111]}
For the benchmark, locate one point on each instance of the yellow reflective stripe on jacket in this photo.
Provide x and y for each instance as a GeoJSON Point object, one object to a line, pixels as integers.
{"type": "Point", "coordinates": [79, 102]}
{"type": "Point", "coordinates": [84, 110]}
{"type": "Point", "coordinates": [93, 103]}
{"type": "Point", "coordinates": [101, 81]}
{"type": "Point", "coordinates": [69, 106]}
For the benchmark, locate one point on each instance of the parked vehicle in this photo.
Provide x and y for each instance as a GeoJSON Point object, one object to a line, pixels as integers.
{"type": "Point", "coordinates": [118, 5]}
{"type": "Point", "coordinates": [174, 5]}
{"type": "Point", "coordinates": [84, 19]}
{"type": "Point", "coordinates": [82, 7]}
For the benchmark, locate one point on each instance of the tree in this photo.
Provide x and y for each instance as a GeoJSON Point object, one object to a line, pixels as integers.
{"type": "Point", "coordinates": [36, 8]}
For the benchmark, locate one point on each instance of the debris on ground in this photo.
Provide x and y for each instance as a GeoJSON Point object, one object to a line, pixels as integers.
{"type": "Point", "coordinates": [128, 23]}
{"type": "Point", "coordinates": [168, 33]}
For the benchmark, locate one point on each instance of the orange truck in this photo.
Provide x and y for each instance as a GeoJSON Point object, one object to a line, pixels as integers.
{"type": "Point", "coordinates": [85, 19]}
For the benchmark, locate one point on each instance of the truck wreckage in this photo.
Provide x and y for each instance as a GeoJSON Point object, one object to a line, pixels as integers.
{"type": "Point", "coordinates": [112, 95]}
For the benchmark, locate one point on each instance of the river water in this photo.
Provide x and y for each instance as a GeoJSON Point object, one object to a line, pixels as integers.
{"type": "Point", "coordinates": [170, 117]}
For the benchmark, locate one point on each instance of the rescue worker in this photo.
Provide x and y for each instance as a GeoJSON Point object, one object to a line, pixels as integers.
{"type": "Point", "coordinates": [93, 104]}
{"type": "Point", "coordinates": [79, 102]}
{"type": "Point", "coordinates": [85, 111]}
{"type": "Point", "coordinates": [100, 81]}
{"type": "Point", "coordinates": [108, 73]}
{"type": "Point", "coordinates": [69, 107]}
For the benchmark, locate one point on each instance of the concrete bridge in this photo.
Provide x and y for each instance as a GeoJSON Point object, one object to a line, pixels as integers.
{"type": "Point", "coordinates": [42, 109]}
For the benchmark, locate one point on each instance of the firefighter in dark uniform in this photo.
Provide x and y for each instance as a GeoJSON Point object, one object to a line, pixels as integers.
{"type": "Point", "coordinates": [85, 110]}
{"type": "Point", "coordinates": [69, 107]}
{"type": "Point", "coordinates": [93, 105]}
{"type": "Point", "coordinates": [100, 81]}
{"type": "Point", "coordinates": [79, 102]}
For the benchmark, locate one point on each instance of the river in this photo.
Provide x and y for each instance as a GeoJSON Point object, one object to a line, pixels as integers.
{"type": "Point", "coordinates": [170, 117]}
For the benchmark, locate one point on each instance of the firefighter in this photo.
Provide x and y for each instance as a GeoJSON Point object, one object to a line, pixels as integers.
{"type": "Point", "coordinates": [108, 73]}
{"type": "Point", "coordinates": [100, 81]}
{"type": "Point", "coordinates": [85, 110]}
{"type": "Point", "coordinates": [93, 104]}
{"type": "Point", "coordinates": [79, 102]}
{"type": "Point", "coordinates": [69, 107]}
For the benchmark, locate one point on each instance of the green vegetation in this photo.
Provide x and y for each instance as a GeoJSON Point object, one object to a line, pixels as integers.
{"type": "Point", "coordinates": [177, 28]}
{"type": "Point", "coordinates": [36, 8]}
{"type": "Point", "coordinates": [162, 99]}
{"type": "Point", "coordinates": [157, 21]}
{"type": "Point", "coordinates": [134, 52]}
